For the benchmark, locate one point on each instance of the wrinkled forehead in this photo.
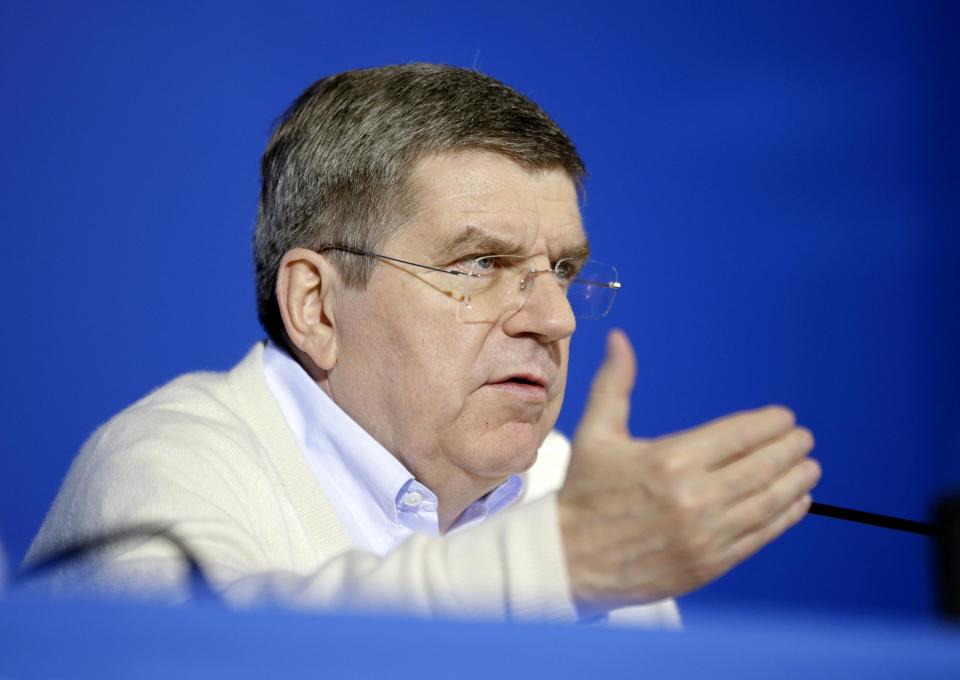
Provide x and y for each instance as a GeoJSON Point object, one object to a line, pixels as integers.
{"type": "Point", "coordinates": [494, 204]}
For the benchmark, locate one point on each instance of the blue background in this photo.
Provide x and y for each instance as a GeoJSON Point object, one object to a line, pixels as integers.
{"type": "Point", "coordinates": [777, 183]}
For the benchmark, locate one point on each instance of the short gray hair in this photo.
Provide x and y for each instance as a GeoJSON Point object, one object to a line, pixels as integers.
{"type": "Point", "coordinates": [336, 167]}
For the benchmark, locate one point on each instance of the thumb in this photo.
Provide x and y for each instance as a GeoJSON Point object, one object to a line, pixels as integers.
{"type": "Point", "coordinates": [608, 407]}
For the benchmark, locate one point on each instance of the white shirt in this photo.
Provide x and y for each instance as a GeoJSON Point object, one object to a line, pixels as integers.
{"type": "Point", "coordinates": [377, 499]}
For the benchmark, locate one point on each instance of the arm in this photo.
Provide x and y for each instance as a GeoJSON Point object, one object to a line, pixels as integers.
{"type": "Point", "coordinates": [252, 547]}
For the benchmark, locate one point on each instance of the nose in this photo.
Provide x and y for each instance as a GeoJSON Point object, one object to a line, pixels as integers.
{"type": "Point", "coordinates": [546, 312]}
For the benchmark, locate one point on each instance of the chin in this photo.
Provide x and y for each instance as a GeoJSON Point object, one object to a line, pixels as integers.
{"type": "Point", "coordinates": [511, 451]}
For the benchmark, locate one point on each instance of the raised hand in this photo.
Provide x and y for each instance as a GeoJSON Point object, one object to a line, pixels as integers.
{"type": "Point", "coordinates": [647, 519]}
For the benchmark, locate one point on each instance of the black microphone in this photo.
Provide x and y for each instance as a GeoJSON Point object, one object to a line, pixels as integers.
{"type": "Point", "coordinates": [874, 519]}
{"type": "Point", "coordinates": [946, 531]}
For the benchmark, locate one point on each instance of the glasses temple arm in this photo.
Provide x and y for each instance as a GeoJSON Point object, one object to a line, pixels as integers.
{"type": "Point", "coordinates": [358, 251]}
{"type": "Point", "coordinates": [603, 284]}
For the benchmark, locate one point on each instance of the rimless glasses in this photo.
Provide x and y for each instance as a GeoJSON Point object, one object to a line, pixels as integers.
{"type": "Point", "coordinates": [493, 287]}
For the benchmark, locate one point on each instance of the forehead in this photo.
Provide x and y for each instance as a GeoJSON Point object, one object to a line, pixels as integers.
{"type": "Point", "coordinates": [465, 195]}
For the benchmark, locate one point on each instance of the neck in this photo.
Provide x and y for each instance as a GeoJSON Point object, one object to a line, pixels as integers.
{"type": "Point", "coordinates": [454, 499]}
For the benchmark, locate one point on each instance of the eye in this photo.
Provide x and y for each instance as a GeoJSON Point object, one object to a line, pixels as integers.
{"type": "Point", "coordinates": [486, 263]}
{"type": "Point", "coordinates": [567, 270]}
{"type": "Point", "coordinates": [480, 264]}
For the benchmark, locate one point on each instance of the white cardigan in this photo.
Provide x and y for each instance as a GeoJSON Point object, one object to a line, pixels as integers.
{"type": "Point", "coordinates": [211, 455]}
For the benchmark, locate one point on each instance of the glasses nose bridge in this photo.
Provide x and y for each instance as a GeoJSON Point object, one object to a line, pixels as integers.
{"type": "Point", "coordinates": [529, 274]}
{"type": "Point", "coordinates": [551, 312]}
{"type": "Point", "coordinates": [527, 283]}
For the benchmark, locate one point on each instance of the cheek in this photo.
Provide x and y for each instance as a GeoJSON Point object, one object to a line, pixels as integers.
{"type": "Point", "coordinates": [432, 366]}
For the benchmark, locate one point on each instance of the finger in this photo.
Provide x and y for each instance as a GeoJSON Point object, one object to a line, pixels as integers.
{"type": "Point", "coordinates": [751, 542]}
{"type": "Point", "coordinates": [719, 440]}
{"type": "Point", "coordinates": [608, 407]}
{"type": "Point", "coordinates": [761, 509]}
{"type": "Point", "coordinates": [759, 468]}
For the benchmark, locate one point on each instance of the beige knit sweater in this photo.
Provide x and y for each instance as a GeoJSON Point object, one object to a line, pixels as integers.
{"type": "Point", "coordinates": [210, 455]}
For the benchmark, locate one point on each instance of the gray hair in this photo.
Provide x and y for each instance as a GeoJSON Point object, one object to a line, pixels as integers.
{"type": "Point", "coordinates": [336, 167]}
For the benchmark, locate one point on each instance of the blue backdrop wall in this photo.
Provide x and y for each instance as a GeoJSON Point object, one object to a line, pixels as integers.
{"type": "Point", "coordinates": [777, 183]}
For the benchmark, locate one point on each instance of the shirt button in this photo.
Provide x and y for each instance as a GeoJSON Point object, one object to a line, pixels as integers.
{"type": "Point", "coordinates": [412, 499]}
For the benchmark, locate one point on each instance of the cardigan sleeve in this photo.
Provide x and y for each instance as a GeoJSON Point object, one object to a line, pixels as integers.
{"type": "Point", "coordinates": [511, 567]}
{"type": "Point", "coordinates": [198, 480]}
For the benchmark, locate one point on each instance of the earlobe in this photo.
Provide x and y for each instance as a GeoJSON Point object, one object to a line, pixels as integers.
{"type": "Point", "coordinates": [305, 294]}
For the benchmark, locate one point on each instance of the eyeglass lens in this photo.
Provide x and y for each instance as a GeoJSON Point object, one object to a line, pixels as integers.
{"type": "Point", "coordinates": [499, 285]}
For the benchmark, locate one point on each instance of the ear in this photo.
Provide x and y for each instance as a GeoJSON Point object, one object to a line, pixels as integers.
{"type": "Point", "coordinates": [305, 293]}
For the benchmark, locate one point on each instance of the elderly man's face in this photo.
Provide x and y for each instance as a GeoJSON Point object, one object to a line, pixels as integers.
{"type": "Point", "coordinates": [454, 401]}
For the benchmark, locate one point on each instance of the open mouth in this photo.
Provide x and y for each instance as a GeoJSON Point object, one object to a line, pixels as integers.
{"type": "Point", "coordinates": [526, 386]}
{"type": "Point", "coordinates": [520, 380]}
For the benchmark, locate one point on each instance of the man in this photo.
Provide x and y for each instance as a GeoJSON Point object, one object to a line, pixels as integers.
{"type": "Point", "coordinates": [420, 263]}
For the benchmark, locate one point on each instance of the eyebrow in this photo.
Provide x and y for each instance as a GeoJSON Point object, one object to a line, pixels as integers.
{"type": "Point", "coordinates": [479, 240]}
{"type": "Point", "coordinates": [580, 251]}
